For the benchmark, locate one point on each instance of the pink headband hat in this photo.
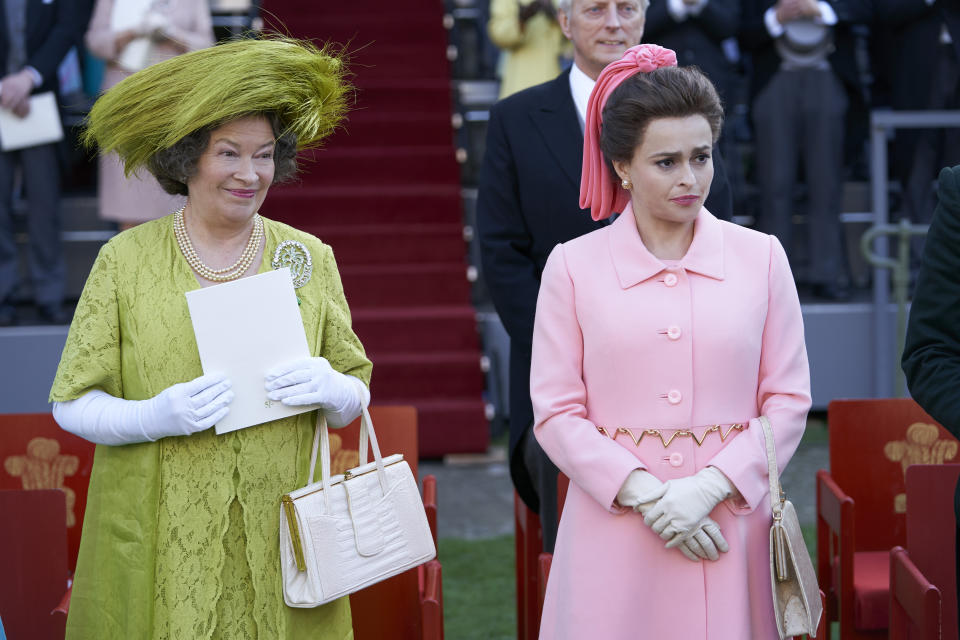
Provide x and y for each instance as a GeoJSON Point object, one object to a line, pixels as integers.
{"type": "Point", "coordinates": [597, 189]}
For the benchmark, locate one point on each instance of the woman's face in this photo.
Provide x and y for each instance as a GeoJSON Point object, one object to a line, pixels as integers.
{"type": "Point", "coordinates": [671, 170]}
{"type": "Point", "coordinates": [235, 170]}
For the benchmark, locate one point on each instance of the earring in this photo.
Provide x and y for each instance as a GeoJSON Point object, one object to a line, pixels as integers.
{"type": "Point", "coordinates": [626, 184]}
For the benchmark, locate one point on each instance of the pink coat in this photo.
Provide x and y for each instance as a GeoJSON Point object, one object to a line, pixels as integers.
{"type": "Point", "coordinates": [623, 340]}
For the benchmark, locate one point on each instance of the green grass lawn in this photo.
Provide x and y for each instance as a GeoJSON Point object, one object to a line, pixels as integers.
{"type": "Point", "coordinates": [479, 590]}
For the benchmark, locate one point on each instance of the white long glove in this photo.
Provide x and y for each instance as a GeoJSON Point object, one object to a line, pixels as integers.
{"type": "Point", "coordinates": [180, 410]}
{"type": "Point", "coordinates": [686, 502]}
{"type": "Point", "coordinates": [314, 381]}
{"type": "Point", "coordinates": [640, 492]}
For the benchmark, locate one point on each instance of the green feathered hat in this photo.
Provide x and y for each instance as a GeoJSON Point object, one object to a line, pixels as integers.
{"type": "Point", "coordinates": [152, 109]}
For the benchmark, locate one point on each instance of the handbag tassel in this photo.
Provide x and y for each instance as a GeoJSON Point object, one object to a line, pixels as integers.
{"type": "Point", "coordinates": [781, 549]}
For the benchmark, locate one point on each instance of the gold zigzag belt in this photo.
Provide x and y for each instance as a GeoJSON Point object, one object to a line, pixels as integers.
{"type": "Point", "coordinates": [681, 433]}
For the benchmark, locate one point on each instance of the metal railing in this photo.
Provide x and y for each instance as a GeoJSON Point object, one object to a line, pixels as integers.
{"type": "Point", "coordinates": [887, 359]}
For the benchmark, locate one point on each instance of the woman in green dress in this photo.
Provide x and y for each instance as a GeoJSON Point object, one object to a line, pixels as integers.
{"type": "Point", "coordinates": [180, 536]}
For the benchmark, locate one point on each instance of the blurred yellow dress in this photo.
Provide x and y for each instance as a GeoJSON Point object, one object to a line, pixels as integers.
{"type": "Point", "coordinates": [180, 536]}
{"type": "Point", "coordinates": [530, 52]}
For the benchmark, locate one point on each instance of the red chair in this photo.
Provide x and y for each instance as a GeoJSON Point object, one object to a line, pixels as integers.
{"type": "Point", "coordinates": [33, 557]}
{"type": "Point", "coordinates": [931, 532]}
{"type": "Point", "coordinates": [408, 606]}
{"type": "Point", "coordinates": [915, 603]}
{"type": "Point", "coordinates": [861, 504]}
{"type": "Point", "coordinates": [528, 546]}
{"type": "Point", "coordinates": [35, 453]}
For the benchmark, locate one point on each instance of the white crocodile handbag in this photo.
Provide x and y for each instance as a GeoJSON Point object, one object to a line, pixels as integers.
{"type": "Point", "coordinates": [352, 530]}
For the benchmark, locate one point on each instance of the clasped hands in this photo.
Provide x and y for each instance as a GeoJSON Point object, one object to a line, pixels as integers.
{"type": "Point", "coordinates": [678, 510]}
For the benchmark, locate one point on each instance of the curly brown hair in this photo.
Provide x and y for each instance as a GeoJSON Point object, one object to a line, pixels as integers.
{"type": "Point", "coordinates": [175, 165]}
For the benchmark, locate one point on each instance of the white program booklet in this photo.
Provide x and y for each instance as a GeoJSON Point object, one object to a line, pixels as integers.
{"type": "Point", "coordinates": [41, 126]}
{"type": "Point", "coordinates": [245, 328]}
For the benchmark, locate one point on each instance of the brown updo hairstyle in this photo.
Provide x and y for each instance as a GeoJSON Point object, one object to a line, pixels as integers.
{"type": "Point", "coordinates": [175, 165]}
{"type": "Point", "coordinates": [667, 92]}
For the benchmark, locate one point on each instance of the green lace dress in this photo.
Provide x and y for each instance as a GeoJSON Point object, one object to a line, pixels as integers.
{"type": "Point", "coordinates": [180, 537]}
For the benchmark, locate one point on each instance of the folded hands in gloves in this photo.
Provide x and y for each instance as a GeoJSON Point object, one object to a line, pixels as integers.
{"type": "Point", "coordinates": [677, 510]}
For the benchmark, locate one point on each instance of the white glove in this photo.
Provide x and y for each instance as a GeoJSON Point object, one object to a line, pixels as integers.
{"type": "Point", "coordinates": [640, 491]}
{"type": "Point", "coordinates": [180, 410]}
{"type": "Point", "coordinates": [686, 502]}
{"type": "Point", "coordinates": [314, 381]}
{"type": "Point", "coordinates": [704, 543]}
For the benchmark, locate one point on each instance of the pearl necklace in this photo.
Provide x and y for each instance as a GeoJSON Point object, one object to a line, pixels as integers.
{"type": "Point", "coordinates": [234, 271]}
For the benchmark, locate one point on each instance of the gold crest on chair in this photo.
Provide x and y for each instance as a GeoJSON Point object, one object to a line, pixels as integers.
{"type": "Point", "coordinates": [921, 445]}
{"type": "Point", "coordinates": [44, 468]}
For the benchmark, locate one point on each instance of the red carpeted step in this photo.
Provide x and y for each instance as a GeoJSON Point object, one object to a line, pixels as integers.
{"type": "Point", "coordinates": [385, 330]}
{"type": "Point", "coordinates": [364, 128]}
{"type": "Point", "coordinates": [436, 374]}
{"type": "Point", "coordinates": [393, 25]}
{"type": "Point", "coordinates": [405, 285]}
{"type": "Point", "coordinates": [385, 193]}
{"type": "Point", "coordinates": [453, 425]}
{"type": "Point", "coordinates": [291, 11]}
{"type": "Point", "coordinates": [386, 165]}
{"type": "Point", "coordinates": [392, 244]}
{"type": "Point", "coordinates": [411, 59]}
{"type": "Point", "coordinates": [311, 206]}
{"type": "Point", "coordinates": [379, 95]}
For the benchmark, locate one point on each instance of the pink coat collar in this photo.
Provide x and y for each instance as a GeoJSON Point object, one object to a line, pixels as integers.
{"type": "Point", "coordinates": [634, 263]}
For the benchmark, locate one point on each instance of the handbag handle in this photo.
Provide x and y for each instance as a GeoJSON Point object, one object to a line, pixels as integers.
{"type": "Point", "coordinates": [321, 440]}
{"type": "Point", "coordinates": [776, 493]}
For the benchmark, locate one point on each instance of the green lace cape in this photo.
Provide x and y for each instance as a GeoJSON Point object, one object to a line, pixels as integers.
{"type": "Point", "coordinates": [180, 536]}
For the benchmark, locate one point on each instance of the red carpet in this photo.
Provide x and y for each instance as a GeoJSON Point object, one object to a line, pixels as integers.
{"type": "Point", "coordinates": [384, 192]}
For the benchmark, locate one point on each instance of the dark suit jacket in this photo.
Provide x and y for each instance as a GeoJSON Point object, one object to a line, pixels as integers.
{"type": "Point", "coordinates": [756, 41]}
{"type": "Point", "coordinates": [528, 203]}
{"type": "Point", "coordinates": [931, 355]}
{"type": "Point", "coordinates": [697, 40]}
{"type": "Point", "coordinates": [52, 28]}
{"type": "Point", "coordinates": [915, 30]}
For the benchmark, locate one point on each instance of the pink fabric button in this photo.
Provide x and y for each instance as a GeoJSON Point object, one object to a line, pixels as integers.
{"type": "Point", "coordinates": [674, 332]}
{"type": "Point", "coordinates": [670, 279]}
{"type": "Point", "coordinates": [676, 459]}
{"type": "Point", "coordinates": [674, 397]}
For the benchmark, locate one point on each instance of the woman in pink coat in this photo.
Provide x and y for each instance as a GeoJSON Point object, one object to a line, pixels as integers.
{"type": "Point", "coordinates": [659, 340]}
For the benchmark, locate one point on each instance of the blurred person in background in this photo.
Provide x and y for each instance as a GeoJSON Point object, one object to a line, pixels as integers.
{"type": "Point", "coordinates": [924, 36]}
{"type": "Point", "coordinates": [530, 41]}
{"type": "Point", "coordinates": [173, 27]}
{"type": "Point", "coordinates": [529, 202]}
{"type": "Point", "coordinates": [803, 67]}
{"type": "Point", "coordinates": [696, 29]}
{"type": "Point", "coordinates": [35, 35]}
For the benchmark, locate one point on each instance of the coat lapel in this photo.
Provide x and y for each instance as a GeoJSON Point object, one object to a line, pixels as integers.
{"type": "Point", "coordinates": [634, 263]}
{"type": "Point", "coordinates": [556, 121]}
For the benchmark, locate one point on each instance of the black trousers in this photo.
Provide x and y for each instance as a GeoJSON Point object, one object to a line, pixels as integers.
{"type": "Point", "coordinates": [41, 178]}
{"type": "Point", "coordinates": [543, 475]}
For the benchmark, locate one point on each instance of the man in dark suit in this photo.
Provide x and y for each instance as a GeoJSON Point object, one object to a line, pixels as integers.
{"type": "Point", "coordinates": [34, 37]}
{"type": "Point", "coordinates": [529, 202]}
{"type": "Point", "coordinates": [804, 77]}
{"type": "Point", "coordinates": [696, 29]}
{"type": "Point", "coordinates": [931, 355]}
{"type": "Point", "coordinates": [924, 73]}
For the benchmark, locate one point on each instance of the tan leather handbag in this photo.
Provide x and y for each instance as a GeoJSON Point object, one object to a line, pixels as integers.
{"type": "Point", "coordinates": [796, 596]}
